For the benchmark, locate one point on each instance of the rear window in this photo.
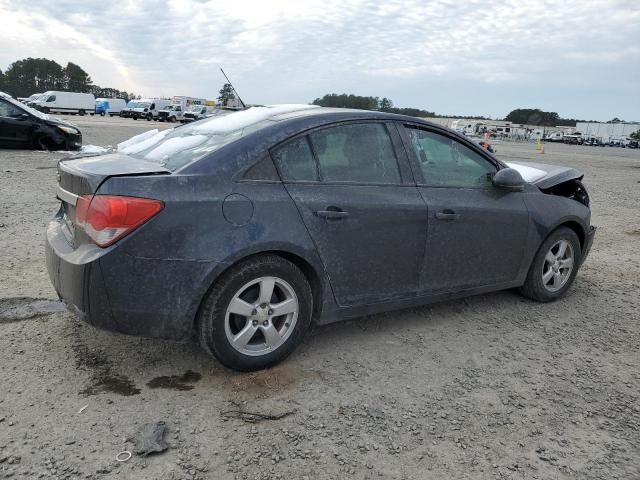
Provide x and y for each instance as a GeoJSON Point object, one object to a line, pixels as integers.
{"type": "Point", "coordinates": [178, 147]}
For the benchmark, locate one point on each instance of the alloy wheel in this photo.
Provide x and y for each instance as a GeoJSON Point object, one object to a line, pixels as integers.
{"type": "Point", "coordinates": [261, 316]}
{"type": "Point", "coordinates": [558, 265]}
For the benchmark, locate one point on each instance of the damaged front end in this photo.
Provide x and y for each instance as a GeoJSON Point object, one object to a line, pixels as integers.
{"type": "Point", "coordinates": [555, 180]}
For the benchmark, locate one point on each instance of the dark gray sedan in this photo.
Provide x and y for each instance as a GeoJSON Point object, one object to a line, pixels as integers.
{"type": "Point", "coordinates": [246, 229]}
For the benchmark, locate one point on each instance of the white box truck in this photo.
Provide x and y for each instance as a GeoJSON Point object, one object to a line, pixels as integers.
{"type": "Point", "coordinates": [148, 108]}
{"type": "Point", "coordinates": [179, 105]}
{"type": "Point", "coordinates": [65, 102]}
{"type": "Point", "coordinates": [109, 106]}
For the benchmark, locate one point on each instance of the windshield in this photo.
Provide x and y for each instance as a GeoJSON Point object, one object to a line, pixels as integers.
{"type": "Point", "coordinates": [195, 108]}
{"type": "Point", "coordinates": [26, 108]}
{"type": "Point", "coordinates": [142, 105]}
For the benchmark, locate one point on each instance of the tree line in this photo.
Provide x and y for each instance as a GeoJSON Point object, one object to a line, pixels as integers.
{"type": "Point", "coordinates": [38, 75]}
{"type": "Point", "coordinates": [525, 116]}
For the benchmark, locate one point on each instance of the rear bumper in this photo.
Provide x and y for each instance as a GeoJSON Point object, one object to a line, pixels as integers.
{"type": "Point", "coordinates": [115, 291]}
{"type": "Point", "coordinates": [588, 243]}
{"type": "Point", "coordinates": [77, 277]}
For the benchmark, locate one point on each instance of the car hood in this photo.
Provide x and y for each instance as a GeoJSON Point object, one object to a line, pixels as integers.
{"type": "Point", "coordinates": [543, 175]}
{"type": "Point", "coordinates": [58, 121]}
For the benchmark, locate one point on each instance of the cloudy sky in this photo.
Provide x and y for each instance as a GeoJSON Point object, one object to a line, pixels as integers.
{"type": "Point", "coordinates": [580, 58]}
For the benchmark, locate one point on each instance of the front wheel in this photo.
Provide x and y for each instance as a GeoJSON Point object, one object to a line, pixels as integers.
{"type": "Point", "coordinates": [149, 117]}
{"type": "Point", "coordinates": [555, 266]}
{"type": "Point", "coordinates": [256, 313]}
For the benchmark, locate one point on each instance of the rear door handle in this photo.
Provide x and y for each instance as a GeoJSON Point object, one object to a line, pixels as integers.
{"type": "Point", "coordinates": [332, 213]}
{"type": "Point", "coordinates": [447, 215]}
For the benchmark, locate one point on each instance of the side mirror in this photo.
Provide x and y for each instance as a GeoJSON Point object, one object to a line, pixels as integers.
{"type": "Point", "coordinates": [509, 179]}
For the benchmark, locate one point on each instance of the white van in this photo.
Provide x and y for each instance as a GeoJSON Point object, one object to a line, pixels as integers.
{"type": "Point", "coordinates": [65, 102]}
{"type": "Point", "coordinates": [148, 108]}
{"type": "Point", "coordinates": [109, 106]}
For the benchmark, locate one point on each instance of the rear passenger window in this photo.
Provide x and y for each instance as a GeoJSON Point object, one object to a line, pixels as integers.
{"type": "Point", "coordinates": [295, 161]}
{"type": "Point", "coordinates": [360, 153]}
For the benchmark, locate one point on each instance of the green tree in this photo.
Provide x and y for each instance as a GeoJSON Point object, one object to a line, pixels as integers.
{"type": "Point", "coordinates": [226, 94]}
{"type": "Point", "coordinates": [385, 104]}
{"type": "Point", "coordinates": [344, 100]}
{"type": "Point", "coordinates": [32, 75]}
{"type": "Point", "coordinates": [76, 79]}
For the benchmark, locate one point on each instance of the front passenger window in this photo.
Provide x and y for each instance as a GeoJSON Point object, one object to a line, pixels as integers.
{"type": "Point", "coordinates": [445, 162]}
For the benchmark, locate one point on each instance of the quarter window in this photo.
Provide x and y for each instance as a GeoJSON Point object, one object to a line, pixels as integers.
{"type": "Point", "coordinates": [295, 161]}
{"type": "Point", "coordinates": [360, 153]}
{"type": "Point", "coordinates": [52, 98]}
{"type": "Point", "coordinates": [446, 162]}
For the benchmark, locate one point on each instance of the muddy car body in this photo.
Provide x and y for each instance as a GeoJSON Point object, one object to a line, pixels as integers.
{"type": "Point", "coordinates": [250, 230]}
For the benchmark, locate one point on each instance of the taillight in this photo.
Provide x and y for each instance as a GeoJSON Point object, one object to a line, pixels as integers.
{"type": "Point", "coordinates": [108, 218]}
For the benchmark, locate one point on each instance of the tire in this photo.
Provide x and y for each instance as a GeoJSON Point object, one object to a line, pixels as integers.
{"type": "Point", "coordinates": [81, 112]}
{"type": "Point", "coordinates": [559, 281]}
{"type": "Point", "coordinates": [149, 116]}
{"type": "Point", "coordinates": [102, 114]}
{"type": "Point", "coordinates": [242, 284]}
{"type": "Point", "coordinates": [45, 110]}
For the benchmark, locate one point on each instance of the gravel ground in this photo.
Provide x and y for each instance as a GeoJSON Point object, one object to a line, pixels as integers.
{"type": "Point", "coordinates": [493, 386]}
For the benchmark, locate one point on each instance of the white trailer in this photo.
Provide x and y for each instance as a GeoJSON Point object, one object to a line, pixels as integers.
{"type": "Point", "coordinates": [65, 102]}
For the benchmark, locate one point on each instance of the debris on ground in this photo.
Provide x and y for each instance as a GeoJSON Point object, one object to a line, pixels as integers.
{"type": "Point", "coordinates": [150, 439]}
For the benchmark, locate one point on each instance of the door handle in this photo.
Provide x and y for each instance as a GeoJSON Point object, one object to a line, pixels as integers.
{"type": "Point", "coordinates": [447, 215]}
{"type": "Point", "coordinates": [332, 213]}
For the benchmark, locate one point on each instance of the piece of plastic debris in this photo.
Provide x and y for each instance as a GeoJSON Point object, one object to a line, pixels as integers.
{"type": "Point", "coordinates": [123, 456]}
{"type": "Point", "coordinates": [150, 439]}
{"type": "Point", "coordinates": [83, 409]}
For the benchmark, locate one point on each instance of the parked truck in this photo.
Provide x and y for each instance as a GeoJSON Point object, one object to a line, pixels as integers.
{"type": "Point", "coordinates": [109, 106]}
{"type": "Point", "coordinates": [65, 102]}
{"type": "Point", "coordinates": [148, 108]}
{"type": "Point", "coordinates": [175, 111]}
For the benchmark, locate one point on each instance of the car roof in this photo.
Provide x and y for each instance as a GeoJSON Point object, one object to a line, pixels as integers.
{"type": "Point", "coordinates": [337, 114]}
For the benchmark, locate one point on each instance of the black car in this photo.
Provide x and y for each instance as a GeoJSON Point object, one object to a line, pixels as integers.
{"type": "Point", "coordinates": [246, 229]}
{"type": "Point", "coordinates": [23, 127]}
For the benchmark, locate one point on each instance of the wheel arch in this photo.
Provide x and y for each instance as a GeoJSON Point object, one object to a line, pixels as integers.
{"type": "Point", "coordinates": [576, 227]}
{"type": "Point", "coordinates": [310, 271]}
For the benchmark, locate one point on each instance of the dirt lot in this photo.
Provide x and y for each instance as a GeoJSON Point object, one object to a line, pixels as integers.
{"type": "Point", "coordinates": [493, 386]}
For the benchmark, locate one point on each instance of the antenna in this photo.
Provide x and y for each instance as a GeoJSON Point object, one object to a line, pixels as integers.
{"type": "Point", "coordinates": [234, 89]}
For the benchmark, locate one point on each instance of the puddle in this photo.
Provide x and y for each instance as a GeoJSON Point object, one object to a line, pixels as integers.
{"type": "Point", "coordinates": [25, 308]}
{"type": "Point", "coordinates": [176, 382]}
{"type": "Point", "coordinates": [103, 379]}
{"type": "Point", "coordinates": [111, 383]}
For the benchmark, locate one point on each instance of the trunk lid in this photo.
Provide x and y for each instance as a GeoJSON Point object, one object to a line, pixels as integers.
{"type": "Point", "coordinates": [83, 176]}
{"type": "Point", "coordinates": [543, 175]}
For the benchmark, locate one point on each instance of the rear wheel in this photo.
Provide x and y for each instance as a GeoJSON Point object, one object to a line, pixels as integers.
{"type": "Point", "coordinates": [554, 268]}
{"type": "Point", "coordinates": [256, 313]}
{"type": "Point", "coordinates": [81, 112]}
{"type": "Point", "coordinates": [102, 114]}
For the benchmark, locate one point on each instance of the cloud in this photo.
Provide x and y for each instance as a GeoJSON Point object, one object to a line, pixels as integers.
{"type": "Point", "coordinates": [292, 51]}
